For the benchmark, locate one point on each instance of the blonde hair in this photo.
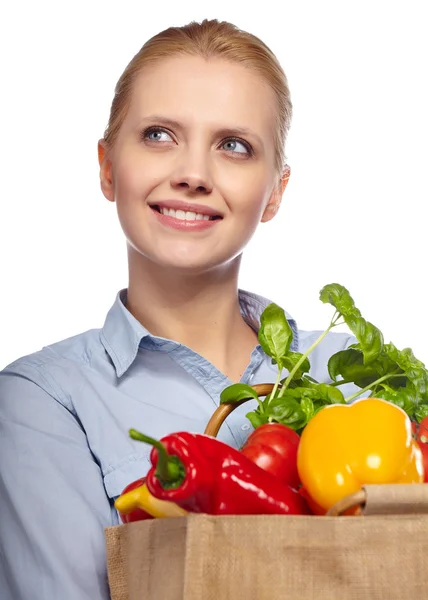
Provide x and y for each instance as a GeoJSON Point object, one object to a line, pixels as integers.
{"type": "Point", "coordinates": [208, 39]}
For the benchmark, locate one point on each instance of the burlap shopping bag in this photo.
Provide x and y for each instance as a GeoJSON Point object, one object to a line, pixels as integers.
{"type": "Point", "coordinates": [381, 555]}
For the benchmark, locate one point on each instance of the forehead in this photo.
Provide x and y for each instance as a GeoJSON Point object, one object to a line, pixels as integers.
{"type": "Point", "coordinates": [217, 91]}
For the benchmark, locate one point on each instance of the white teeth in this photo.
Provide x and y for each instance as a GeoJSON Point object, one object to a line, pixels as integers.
{"type": "Point", "coordinates": [184, 215]}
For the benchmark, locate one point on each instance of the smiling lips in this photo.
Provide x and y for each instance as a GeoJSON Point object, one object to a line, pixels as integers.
{"type": "Point", "coordinates": [187, 216]}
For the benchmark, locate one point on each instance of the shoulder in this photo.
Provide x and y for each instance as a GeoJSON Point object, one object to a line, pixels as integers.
{"type": "Point", "coordinates": [55, 368]}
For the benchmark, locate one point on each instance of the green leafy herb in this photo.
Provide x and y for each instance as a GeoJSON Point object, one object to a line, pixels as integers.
{"type": "Point", "coordinates": [236, 393]}
{"type": "Point", "coordinates": [374, 367]}
{"type": "Point", "coordinates": [256, 419]}
{"type": "Point", "coordinates": [292, 359]}
{"type": "Point", "coordinates": [369, 337]}
{"type": "Point", "coordinates": [275, 334]}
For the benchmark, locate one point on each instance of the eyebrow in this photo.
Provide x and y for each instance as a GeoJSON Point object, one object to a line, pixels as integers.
{"type": "Point", "coordinates": [223, 131]}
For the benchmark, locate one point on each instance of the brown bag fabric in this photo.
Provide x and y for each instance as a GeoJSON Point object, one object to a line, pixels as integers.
{"type": "Point", "coordinates": [201, 557]}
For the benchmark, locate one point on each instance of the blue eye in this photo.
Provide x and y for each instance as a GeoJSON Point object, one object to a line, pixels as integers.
{"type": "Point", "coordinates": [156, 135]}
{"type": "Point", "coordinates": [237, 146]}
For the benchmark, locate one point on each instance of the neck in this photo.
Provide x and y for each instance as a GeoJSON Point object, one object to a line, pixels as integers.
{"type": "Point", "coordinates": [199, 311]}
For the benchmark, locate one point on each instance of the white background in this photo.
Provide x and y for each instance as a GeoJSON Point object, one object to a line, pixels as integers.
{"type": "Point", "coordinates": [354, 211]}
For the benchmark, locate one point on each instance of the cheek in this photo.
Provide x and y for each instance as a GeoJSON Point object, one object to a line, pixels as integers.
{"type": "Point", "coordinates": [251, 195]}
{"type": "Point", "coordinates": [125, 177]}
{"type": "Point", "coordinates": [134, 176]}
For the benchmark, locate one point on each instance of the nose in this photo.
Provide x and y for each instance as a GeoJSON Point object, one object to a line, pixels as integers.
{"type": "Point", "coordinates": [192, 174]}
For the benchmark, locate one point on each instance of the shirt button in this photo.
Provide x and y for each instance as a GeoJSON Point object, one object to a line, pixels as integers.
{"type": "Point", "coordinates": [245, 427]}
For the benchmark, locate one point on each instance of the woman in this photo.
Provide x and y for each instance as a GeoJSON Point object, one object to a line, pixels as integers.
{"type": "Point", "coordinates": [193, 157]}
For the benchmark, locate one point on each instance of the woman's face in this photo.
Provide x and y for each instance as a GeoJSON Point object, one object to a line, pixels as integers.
{"type": "Point", "coordinates": [192, 170]}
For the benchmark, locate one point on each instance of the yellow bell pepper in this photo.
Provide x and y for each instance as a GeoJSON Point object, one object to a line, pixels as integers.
{"type": "Point", "coordinates": [140, 497]}
{"type": "Point", "coordinates": [346, 446]}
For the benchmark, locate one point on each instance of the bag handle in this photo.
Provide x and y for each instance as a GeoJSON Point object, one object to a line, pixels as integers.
{"type": "Point", "coordinates": [385, 499]}
{"type": "Point", "coordinates": [221, 412]}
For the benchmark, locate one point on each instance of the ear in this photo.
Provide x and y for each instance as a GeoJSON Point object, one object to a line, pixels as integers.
{"type": "Point", "coordinates": [274, 203]}
{"type": "Point", "coordinates": [106, 179]}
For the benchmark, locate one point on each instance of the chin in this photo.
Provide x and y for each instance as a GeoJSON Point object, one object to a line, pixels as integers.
{"type": "Point", "coordinates": [188, 259]}
{"type": "Point", "coordinates": [196, 263]}
{"type": "Point", "coordinates": [191, 266]}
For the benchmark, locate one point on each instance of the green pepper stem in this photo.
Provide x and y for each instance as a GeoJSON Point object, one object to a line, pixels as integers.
{"type": "Point", "coordinates": [169, 469]}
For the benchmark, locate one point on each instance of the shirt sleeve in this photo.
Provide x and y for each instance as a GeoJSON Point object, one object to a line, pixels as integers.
{"type": "Point", "coordinates": [54, 507]}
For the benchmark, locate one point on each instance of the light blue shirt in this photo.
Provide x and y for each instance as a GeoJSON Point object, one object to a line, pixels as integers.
{"type": "Point", "coordinates": [65, 453]}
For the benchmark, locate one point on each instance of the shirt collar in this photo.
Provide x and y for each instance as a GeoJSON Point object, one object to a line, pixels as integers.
{"type": "Point", "coordinates": [122, 334]}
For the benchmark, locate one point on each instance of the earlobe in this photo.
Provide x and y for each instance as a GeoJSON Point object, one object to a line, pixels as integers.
{"type": "Point", "coordinates": [106, 180]}
{"type": "Point", "coordinates": [276, 197]}
{"type": "Point", "coordinates": [270, 211]}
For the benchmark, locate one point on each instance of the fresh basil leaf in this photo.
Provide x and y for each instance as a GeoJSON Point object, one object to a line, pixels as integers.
{"type": "Point", "coordinates": [305, 381]}
{"type": "Point", "coordinates": [308, 408]}
{"type": "Point", "coordinates": [369, 337]}
{"type": "Point", "coordinates": [338, 296]}
{"type": "Point", "coordinates": [349, 364]}
{"type": "Point", "coordinates": [421, 412]}
{"type": "Point", "coordinates": [343, 362]}
{"type": "Point", "coordinates": [413, 368]}
{"type": "Point", "coordinates": [237, 392]}
{"type": "Point", "coordinates": [330, 394]}
{"type": "Point", "coordinates": [275, 334]}
{"type": "Point", "coordinates": [287, 411]}
{"type": "Point", "coordinates": [321, 392]}
{"type": "Point", "coordinates": [256, 419]}
{"type": "Point", "coordinates": [298, 393]}
{"type": "Point", "coordinates": [290, 361]}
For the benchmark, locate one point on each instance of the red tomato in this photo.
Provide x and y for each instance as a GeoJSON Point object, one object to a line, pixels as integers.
{"type": "Point", "coordinates": [423, 428]}
{"type": "Point", "coordinates": [138, 514]}
{"type": "Point", "coordinates": [273, 447]}
{"type": "Point", "coordinates": [422, 439]}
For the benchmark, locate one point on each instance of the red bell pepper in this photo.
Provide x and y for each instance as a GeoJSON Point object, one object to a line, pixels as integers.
{"type": "Point", "coordinates": [204, 475]}
{"type": "Point", "coordinates": [273, 447]}
{"type": "Point", "coordinates": [137, 514]}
